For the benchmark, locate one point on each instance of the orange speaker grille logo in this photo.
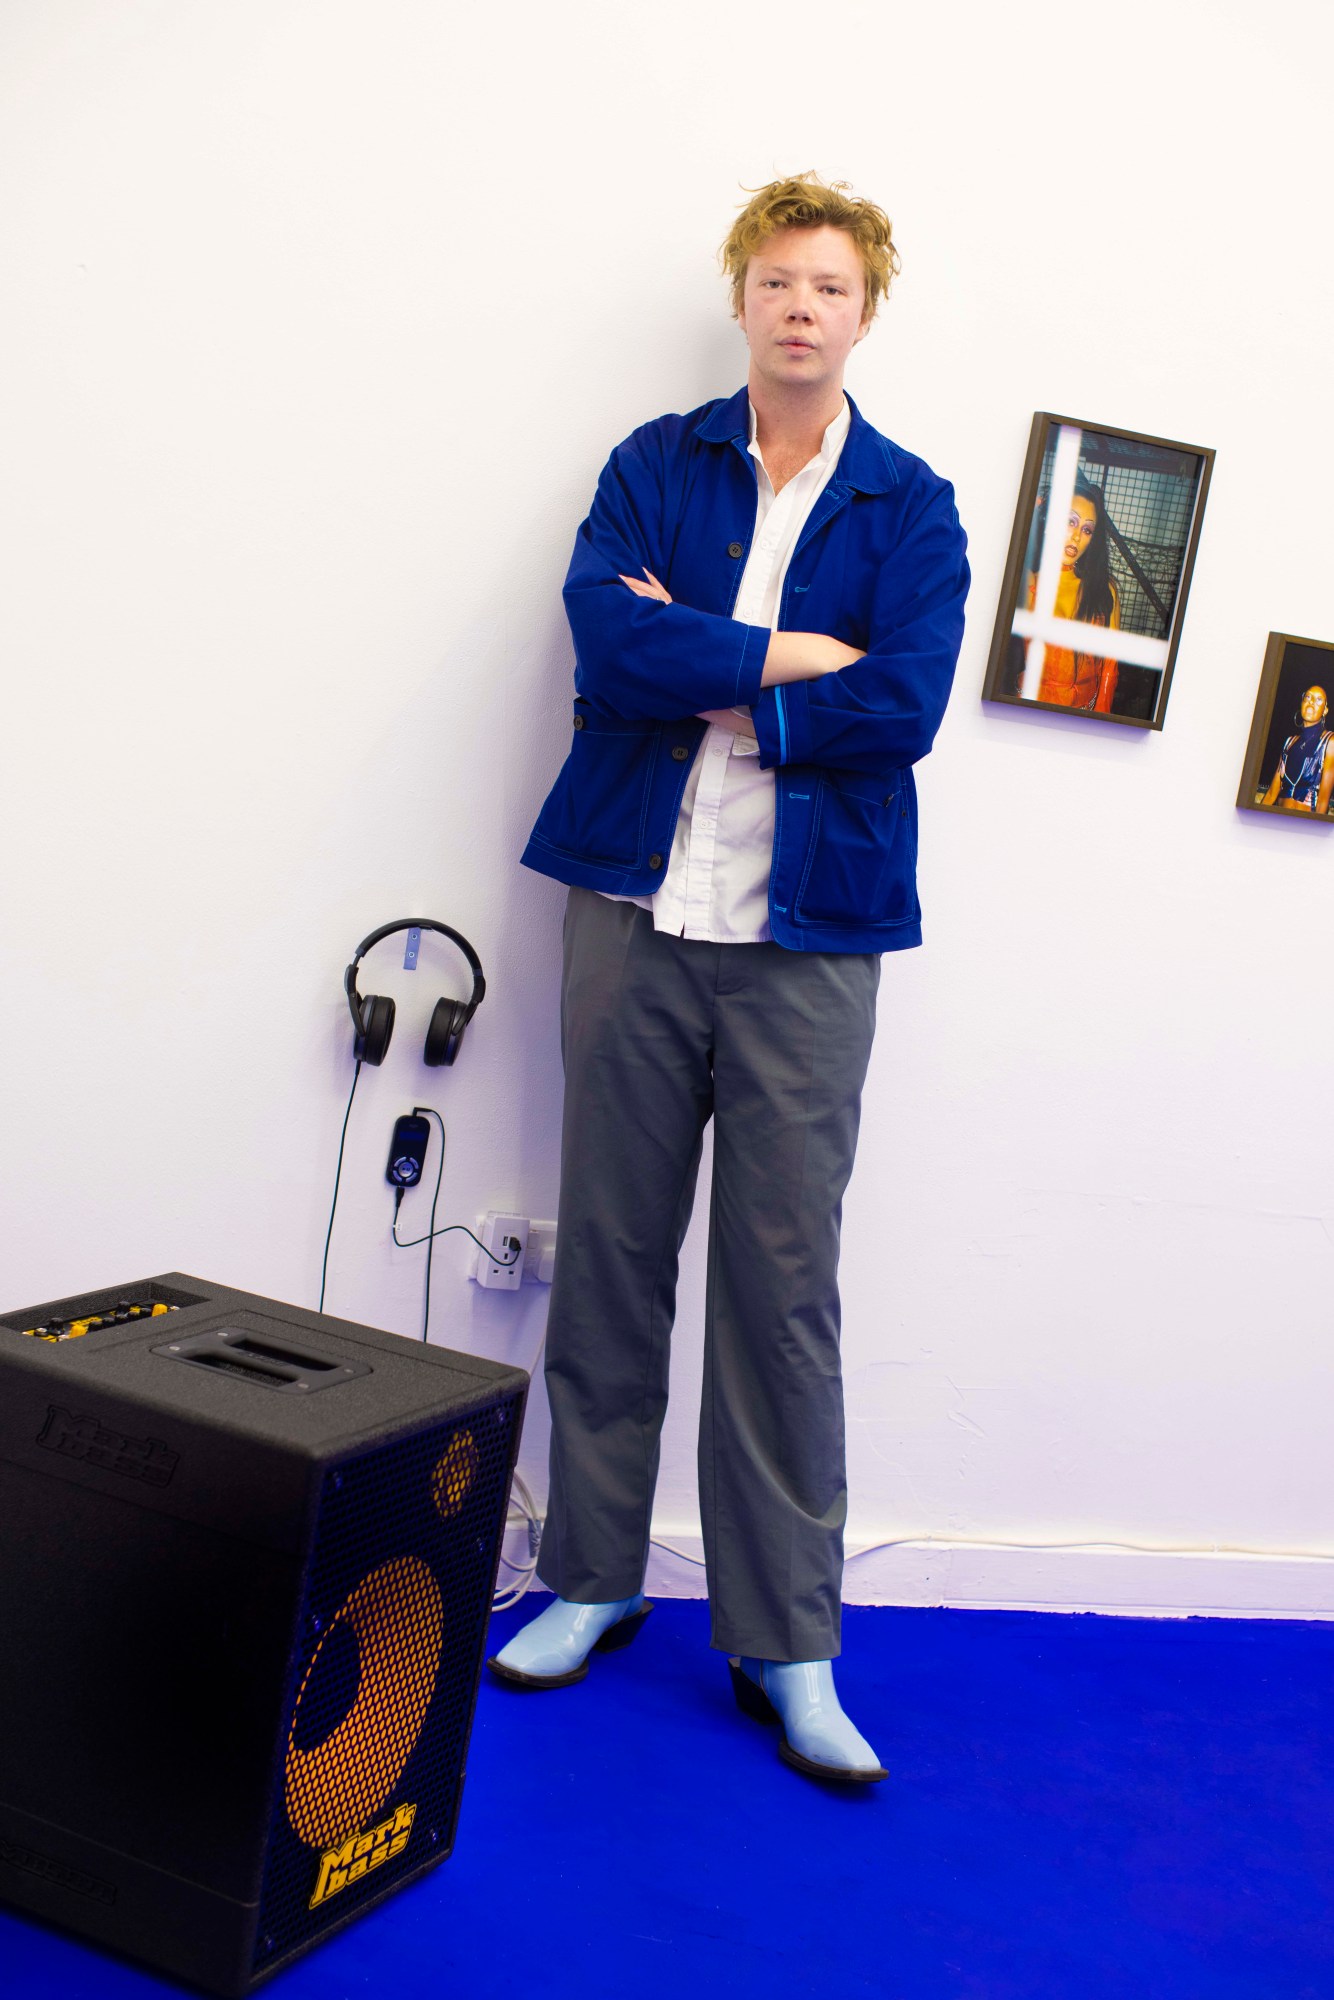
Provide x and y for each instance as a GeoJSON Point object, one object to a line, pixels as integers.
{"type": "Point", "coordinates": [362, 1853]}
{"type": "Point", "coordinates": [396, 1618]}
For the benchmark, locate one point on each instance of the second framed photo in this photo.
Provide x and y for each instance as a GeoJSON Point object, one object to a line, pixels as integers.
{"type": "Point", "coordinates": [1098, 572]}
{"type": "Point", "coordinates": [1289, 764]}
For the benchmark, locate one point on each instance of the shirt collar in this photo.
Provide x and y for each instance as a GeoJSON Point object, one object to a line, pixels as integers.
{"type": "Point", "coordinates": [867, 460]}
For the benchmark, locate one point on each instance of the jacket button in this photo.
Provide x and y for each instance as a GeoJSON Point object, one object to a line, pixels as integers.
{"type": "Point", "coordinates": [680, 752]}
{"type": "Point", "coordinates": [655, 861]}
{"type": "Point", "coordinates": [578, 721]}
{"type": "Point", "coordinates": [734, 550]}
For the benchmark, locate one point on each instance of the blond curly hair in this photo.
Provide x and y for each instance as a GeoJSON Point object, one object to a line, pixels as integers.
{"type": "Point", "coordinates": [804, 201]}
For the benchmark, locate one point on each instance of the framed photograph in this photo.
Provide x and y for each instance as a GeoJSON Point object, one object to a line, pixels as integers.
{"type": "Point", "coordinates": [1098, 572]}
{"type": "Point", "coordinates": [1289, 764]}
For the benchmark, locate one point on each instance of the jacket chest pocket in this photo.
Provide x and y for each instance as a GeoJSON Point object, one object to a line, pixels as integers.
{"type": "Point", "coordinates": [861, 861]}
{"type": "Point", "coordinates": [599, 807]}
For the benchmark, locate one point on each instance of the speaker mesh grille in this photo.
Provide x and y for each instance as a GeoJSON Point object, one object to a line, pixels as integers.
{"type": "Point", "coordinates": [381, 1696]}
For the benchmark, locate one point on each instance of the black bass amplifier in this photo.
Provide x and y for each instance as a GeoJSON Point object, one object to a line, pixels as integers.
{"type": "Point", "coordinates": [247, 1556]}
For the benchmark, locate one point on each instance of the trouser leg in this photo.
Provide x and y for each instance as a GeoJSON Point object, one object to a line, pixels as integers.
{"type": "Point", "coordinates": [793, 1036]}
{"type": "Point", "coordinates": [635, 1037]}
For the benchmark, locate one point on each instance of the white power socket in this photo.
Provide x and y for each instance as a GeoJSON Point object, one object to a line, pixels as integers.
{"type": "Point", "coordinates": [499, 1266]}
{"type": "Point", "coordinates": [536, 1264]}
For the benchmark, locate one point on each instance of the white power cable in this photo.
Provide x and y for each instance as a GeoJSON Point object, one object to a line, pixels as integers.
{"type": "Point", "coordinates": [1093, 1548]}
{"type": "Point", "coordinates": [1042, 1548]}
{"type": "Point", "coordinates": [522, 1508]}
{"type": "Point", "coordinates": [522, 1573]}
{"type": "Point", "coordinates": [670, 1550]}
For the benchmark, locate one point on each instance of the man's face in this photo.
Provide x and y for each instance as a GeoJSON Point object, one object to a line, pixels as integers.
{"type": "Point", "coordinates": [1314, 705]}
{"type": "Point", "coordinates": [802, 307]}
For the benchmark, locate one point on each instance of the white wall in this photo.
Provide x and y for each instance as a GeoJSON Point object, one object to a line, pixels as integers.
{"type": "Point", "coordinates": [322, 318]}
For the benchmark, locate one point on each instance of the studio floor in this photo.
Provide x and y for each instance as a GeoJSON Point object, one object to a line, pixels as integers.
{"type": "Point", "coordinates": [1080, 1808]}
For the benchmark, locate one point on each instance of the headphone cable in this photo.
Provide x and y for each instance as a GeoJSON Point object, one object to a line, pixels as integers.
{"type": "Point", "coordinates": [338, 1174]}
{"type": "Point", "coordinates": [412, 1242]}
{"type": "Point", "coordinates": [425, 1111]}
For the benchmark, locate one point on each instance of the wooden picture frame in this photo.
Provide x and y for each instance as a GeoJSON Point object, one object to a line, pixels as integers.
{"type": "Point", "coordinates": [1283, 773]}
{"type": "Point", "coordinates": [1108, 564]}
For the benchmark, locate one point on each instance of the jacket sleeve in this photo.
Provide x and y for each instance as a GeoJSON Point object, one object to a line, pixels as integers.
{"type": "Point", "coordinates": [634, 656]}
{"type": "Point", "coordinates": [883, 711]}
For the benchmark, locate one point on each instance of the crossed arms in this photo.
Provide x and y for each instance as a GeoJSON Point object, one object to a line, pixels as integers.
{"type": "Point", "coordinates": [813, 699]}
{"type": "Point", "coordinates": [790, 656]}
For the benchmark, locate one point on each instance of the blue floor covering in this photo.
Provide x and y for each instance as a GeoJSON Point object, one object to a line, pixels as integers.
{"type": "Point", "coordinates": [1081, 1808]}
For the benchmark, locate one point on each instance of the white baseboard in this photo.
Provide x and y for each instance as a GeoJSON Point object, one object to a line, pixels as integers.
{"type": "Point", "coordinates": [1122, 1582]}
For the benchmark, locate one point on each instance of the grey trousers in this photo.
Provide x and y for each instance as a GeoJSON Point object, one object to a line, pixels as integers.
{"type": "Point", "coordinates": [660, 1033]}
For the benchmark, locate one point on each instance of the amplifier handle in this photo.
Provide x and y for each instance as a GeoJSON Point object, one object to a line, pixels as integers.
{"type": "Point", "coordinates": [235, 1351]}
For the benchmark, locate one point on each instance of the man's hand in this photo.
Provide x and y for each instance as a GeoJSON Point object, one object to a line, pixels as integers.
{"type": "Point", "coordinates": [650, 589]}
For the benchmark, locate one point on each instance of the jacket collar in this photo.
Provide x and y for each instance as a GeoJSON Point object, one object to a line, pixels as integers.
{"type": "Point", "coordinates": [866, 461]}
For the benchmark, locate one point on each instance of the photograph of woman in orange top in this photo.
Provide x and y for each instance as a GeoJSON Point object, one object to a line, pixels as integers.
{"type": "Point", "coordinates": [1086, 592]}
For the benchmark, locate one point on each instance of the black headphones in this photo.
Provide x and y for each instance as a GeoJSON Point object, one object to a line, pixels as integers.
{"type": "Point", "coordinates": [373, 1017]}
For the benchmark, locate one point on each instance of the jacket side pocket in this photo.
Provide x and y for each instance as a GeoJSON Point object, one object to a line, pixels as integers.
{"type": "Point", "coordinates": [861, 860]}
{"type": "Point", "coordinates": [599, 804]}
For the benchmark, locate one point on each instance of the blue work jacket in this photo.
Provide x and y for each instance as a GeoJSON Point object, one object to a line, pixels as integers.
{"type": "Point", "coordinates": [879, 564]}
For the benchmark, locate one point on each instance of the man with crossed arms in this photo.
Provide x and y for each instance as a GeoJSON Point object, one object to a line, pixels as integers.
{"type": "Point", "coordinates": [767, 605]}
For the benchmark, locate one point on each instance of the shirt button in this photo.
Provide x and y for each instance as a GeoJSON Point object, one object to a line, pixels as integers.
{"type": "Point", "coordinates": [655, 861]}
{"type": "Point", "coordinates": [734, 550]}
{"type": "Point", "coordinates": [680, 752]}
{"type": "Point", "coordinates": [578, 721]}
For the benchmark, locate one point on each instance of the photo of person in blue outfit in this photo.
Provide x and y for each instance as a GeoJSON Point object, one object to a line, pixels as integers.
{"type": "Point", "coordinates": [1304, 776]}
{"type": "Point", "coordinates": [767, 602]}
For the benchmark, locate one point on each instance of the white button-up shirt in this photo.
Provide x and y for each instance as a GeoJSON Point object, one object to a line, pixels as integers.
{"type": "Point", "coordinates": [717, 883]}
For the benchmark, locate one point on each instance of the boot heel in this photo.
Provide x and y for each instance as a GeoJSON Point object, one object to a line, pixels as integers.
{"type": "Point", "coordinates": [750, 1699]}
{"type": "Point", "coordinates": [622, 1632]}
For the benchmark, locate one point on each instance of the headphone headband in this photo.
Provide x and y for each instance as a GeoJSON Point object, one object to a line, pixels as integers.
{"type": "Point", "coordinates": [414, 924]}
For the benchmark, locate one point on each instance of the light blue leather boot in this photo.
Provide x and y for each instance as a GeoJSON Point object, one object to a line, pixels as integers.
{"type": "Point", "coordinates": [817, 1736]}
{"type": "Point", "coordinates": [552, 1649]}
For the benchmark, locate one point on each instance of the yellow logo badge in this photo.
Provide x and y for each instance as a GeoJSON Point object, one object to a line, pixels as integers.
{"type": "Point", "coordinates": [363, 1852]}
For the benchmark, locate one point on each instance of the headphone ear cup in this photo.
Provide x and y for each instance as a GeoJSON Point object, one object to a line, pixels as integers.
{"type": "Point", "coordinates": [445, 1033]}
{"type": "Point", "coordinates": [377, 1025]}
